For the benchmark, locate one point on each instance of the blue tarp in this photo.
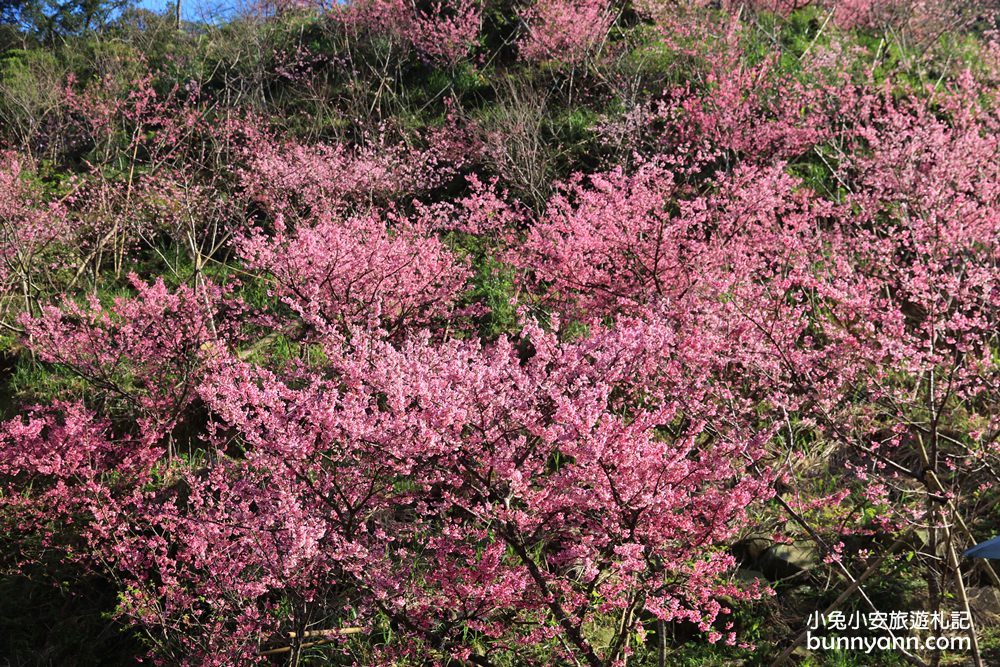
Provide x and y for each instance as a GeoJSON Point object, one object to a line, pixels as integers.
{"type": "Point", "coordinates": [987, 549]}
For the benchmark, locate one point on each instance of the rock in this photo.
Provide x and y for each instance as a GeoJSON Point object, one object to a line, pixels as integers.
{"type": "Point", "coordinates": [751, 576]}
{"type": "Point", "coordinates": [756, 545]}
{"type": "Point", "coordinates": [782, 561]}
{"type": "Point", "coordinates": [749, 550]}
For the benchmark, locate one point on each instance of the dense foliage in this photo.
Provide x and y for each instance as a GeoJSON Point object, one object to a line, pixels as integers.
{"type": "Point", "coordinates": [476, 332]}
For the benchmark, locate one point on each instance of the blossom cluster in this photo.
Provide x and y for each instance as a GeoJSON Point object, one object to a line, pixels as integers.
{"type": "Point", "coordinates": [297, 423]}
